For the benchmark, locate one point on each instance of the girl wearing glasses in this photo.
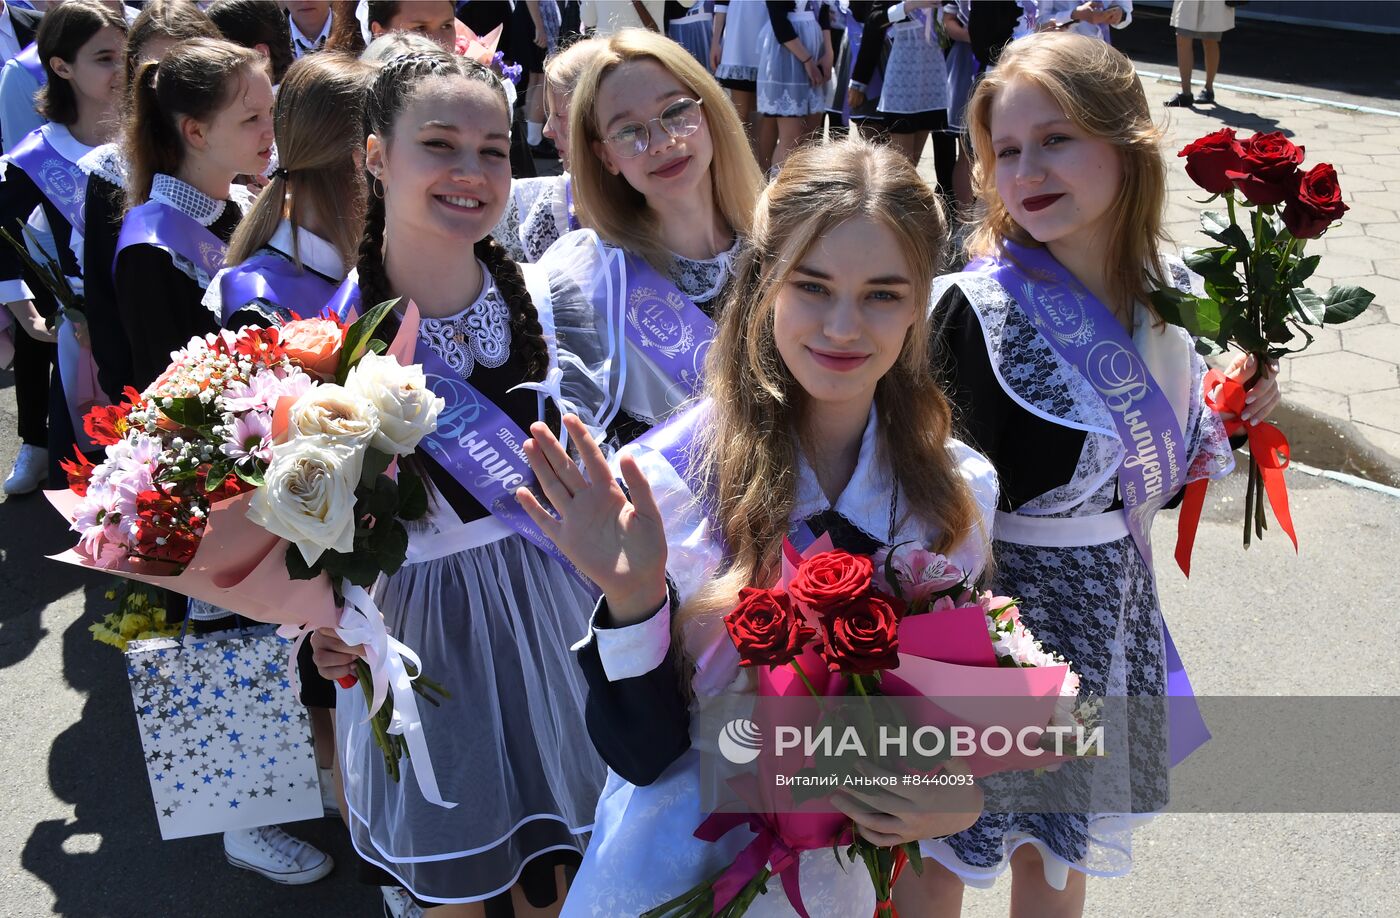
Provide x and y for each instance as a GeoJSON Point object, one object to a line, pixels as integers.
{"type": "Point", "coordinates": [819, 376]}
{"type": "Point", "coordinates": [491, 614]}
{"type": "Point", "coordinates": [666, 183]}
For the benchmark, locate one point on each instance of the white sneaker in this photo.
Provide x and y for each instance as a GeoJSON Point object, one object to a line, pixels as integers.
{"type": "Point", "coordinates": [276, 855]}
{"type": "Point", "coordinates": [31, 468]}
{"type": "Point", "coordinates": [329, 803]}
{"type": "Point", "coordinates": [398, 903]}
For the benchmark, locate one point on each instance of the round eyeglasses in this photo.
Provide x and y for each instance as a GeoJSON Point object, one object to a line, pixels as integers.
{"type": "Point", "coordinates": [680, 119]}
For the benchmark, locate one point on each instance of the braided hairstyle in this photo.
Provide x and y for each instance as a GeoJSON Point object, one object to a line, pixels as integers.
{"type": "Point", "coordinates": [390, 93]}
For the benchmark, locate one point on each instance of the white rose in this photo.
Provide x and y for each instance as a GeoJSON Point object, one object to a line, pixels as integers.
{"type": "Point", "coordinates": [408, 410]}
{"type": "Point", "coordinates": [336, 413]}
{"type": "Point", "coordinates": [308, 495]}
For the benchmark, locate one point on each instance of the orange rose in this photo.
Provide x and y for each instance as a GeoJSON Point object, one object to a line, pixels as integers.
{"type": "Point", "coordinates": [314, 344]}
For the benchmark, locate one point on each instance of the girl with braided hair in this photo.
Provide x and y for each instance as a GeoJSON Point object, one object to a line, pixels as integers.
{"type": "Point", "coordinates": [491, 615]}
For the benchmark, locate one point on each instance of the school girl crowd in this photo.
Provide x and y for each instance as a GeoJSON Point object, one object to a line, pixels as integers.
{"type": "Point", "coordinates": [188, 169]}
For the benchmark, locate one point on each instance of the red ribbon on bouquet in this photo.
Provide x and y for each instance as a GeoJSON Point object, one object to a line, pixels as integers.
{"type": "Point", "coordinates": [775, 846]}
{"type": "Point", "coordinates": [1269, 449]}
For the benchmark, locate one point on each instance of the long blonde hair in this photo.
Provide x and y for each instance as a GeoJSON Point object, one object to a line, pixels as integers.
{"type": "Point", "coordinates": [319, 126]}
{"type": "Point", "coordinates": [1097, 89]}
{"type": "Point", "coordinates": [746, 461]}
{"type": "Point", "coordinates": [606, 202]}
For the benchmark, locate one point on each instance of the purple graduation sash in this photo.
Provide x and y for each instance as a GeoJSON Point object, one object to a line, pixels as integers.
{"type": "Point", "coordinates": [154, 223]}
{"type": "Point", "coordinates": [1091, 339]}
{"type": "Point", "coordinates": [269, 277]}
{"type": "Point", "coordinates": [29, 60]}
{"type": "Point", "coordinates": [476, 443]}
{"type": "Point", "coordinates": [569, 203]}
{"type": "Point", "coordinates": [58, 179]}
{"type": "Point", "coordinates": [662, 323]}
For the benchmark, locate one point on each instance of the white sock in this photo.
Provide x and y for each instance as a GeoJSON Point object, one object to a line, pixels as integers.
{"type": "Point", "coordinates": [534, 132]}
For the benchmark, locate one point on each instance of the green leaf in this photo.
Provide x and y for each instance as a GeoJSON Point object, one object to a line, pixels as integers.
{"type": "Point", "coordinates": [357, 567]}
{"type": "Point", "coordinates": [187, 412]}
{"type": "Point", "coordinates": [1303, 269]}
{"type": "Point", "coordinates": [252, 476]}
{"type": "Point", "coordinates": [1212, 264]}
{"type": "Point", "coordinates": [358, 336]}
{"type": "Point", "coordinates": [1346, 303]}
{"type": "Point", "coordinates": [375, 463]}
{"type": "Point", "coordinates": [1170, 303]}
{"type": "Point", "coordinates": [1207, 313]}
{"type": "Point", "coordinates": [298, 569]}
{"type": "Point", "coordinates": [391, 545]}
{"type": "Point", "coordinates": [218, 471]}
{"type": "Point", "coordinates": [1310, 307]}
{"type": "Point", "coordinates": [413, 496]}
{"type": "Point", "coordinates": [1218, 227]}
{"type": "Point", "coordinates": [378, 346]}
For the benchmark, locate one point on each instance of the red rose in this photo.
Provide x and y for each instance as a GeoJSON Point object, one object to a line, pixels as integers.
{"type": "Point", "coordinates": [1210, 157]}
{"type": "Point", "coordinates": [766, 629]}
{"type": "Point", "coordinates": [831, 578]}
{"type": "Point", "coordinates": [106, 424]}
{"type": "Point", "coordinates": [79, 472]}
{"type": "Point", "coordinates": [1318, 204]}
{"type": "Point", "coordinates": [1268, 172]}
{"type": "Point", "coordinates": [861, 636]}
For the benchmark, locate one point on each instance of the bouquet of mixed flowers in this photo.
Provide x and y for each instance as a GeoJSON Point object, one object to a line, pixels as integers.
{"type": "Point", "coordinates": [905, 623]}
{"type": "Point", "coordinates": [1256, 295]}
{"type": "Point", "coordinates": [259, 474]}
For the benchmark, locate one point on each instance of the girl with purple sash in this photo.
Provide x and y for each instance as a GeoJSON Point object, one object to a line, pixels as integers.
{"type": "Point", "coordinates": [199, 117]}
{"type": "Point", "coordinates": [666, 183]}
{"type": "Point", "coordinates": [1091, 410]}
{"type": "Point", "coordinates": [491, 613]}
{"type": "Point", "coordinates": [154, 31]}
{"type": "Point", "coordinates": [541, 209]}
{"type": "Point", "coordinates": [819, 371]}
{"type": "Point", "coordinates": [41, 207]}
{"type": "Point", "coordinates": [293, 247]}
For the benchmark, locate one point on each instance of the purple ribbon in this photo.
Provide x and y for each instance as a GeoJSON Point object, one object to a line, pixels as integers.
{"type": "Point", "coordinates": [29, 60]}
{"type": "Point", "coordinates": [662, 323]}
{"type": "Point", "coordinates": [476, 443]}
{"type": "Point", "coordinates": [569, 202]}
{"type": "Point", "coordinates": [60, 180]}
{"type": "Point", "coordinates": [154, 223]}
{"type": "Point", "coordinates": [1091, 339]}
{"type": "Point", "coordinates": [276, 280]}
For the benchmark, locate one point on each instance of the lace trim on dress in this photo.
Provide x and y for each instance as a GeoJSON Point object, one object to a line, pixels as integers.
{"type": "Point", "coordinates": [187, 199]}
{"type": "Point", "coordinates": [702, 279]}
{"type": "Point", "coordinates": [105, 162]}
{"type": "Point", "coordinates": [479, 334]}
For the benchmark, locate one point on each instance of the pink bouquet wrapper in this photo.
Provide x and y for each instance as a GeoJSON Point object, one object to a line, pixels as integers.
{"type": "Point", "coordinates": [238, 566]}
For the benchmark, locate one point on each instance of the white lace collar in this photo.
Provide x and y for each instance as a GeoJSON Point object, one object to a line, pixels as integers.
{"type": "Point", "coordinates": [107, 162]}
{"type": "Point", "coordinates": [316, 253]}
{"type": "Point", "coordinates": [187, 199]}
{"type": "Point", "coordinates": [478, 334]}
{"type": "Point", "coordinates": [702, 279]}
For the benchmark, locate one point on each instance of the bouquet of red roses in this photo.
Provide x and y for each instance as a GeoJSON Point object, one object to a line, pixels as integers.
{"type": "Point", "coordinates": [1256, 295]}
{"type": "Point", "coordinates": [905, 623]}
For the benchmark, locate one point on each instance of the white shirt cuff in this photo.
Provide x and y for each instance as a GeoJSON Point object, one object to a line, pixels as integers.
{"type": "Point", "coordinates": [12, 291]}
{"type": "Point", "coordinates": [897, 13]}
{"type": "Point", "coordinates": [632, 650]}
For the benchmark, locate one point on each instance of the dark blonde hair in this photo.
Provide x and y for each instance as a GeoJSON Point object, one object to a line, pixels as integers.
{"type": "Point", "coordinates": [319, 129]}
{"type": "Point", "coordinates": [747, 459]}
{"type": "Point", "coordinates": [175, 19]}
{"type": "Point", "coordinates": [1097, 89]}
{"type": "Point", "coordinates": [606, 202]}
{"type": "Point", "coordinates": [196, 79]}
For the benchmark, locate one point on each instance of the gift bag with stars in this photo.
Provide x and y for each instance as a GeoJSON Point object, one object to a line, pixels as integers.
{"type": "Point", "coordinates": [227, 742]}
